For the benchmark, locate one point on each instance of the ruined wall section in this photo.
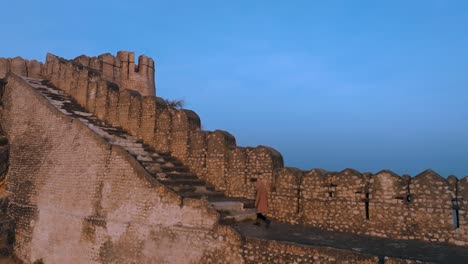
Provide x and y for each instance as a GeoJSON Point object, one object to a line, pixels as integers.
{"type": "Point", "coordinates": [77, 199]}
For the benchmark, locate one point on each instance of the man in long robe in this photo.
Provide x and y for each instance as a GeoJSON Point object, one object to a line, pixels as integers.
{"type": "Point", "coordinates": [261, 201]}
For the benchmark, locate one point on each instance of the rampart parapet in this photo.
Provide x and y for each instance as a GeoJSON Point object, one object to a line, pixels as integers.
{"type": "Point", "coordinates": [120, 69]}
{"type": "Point", "coordinates": [426, 207]}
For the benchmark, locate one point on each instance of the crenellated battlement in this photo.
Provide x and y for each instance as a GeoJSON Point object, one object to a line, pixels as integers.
{"type": "Point", "coordinates": [120, 69]}
{"type": "Point", "coordinates": [20, 66]}
{"type": "Point", "coordinates": [115, 89]}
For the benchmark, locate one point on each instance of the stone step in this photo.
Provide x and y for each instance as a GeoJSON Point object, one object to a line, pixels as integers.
{"type": "Point", "coordinates": [184, 188]}
{"type": "Point", "coordinates": [204, 189]}
{"type": "Point", "coordinates": [169, 163]}
{"type": "Point", "coordinates": [247, 202]}
{"type": "Point", "coordinates": [68, 107]}
{"type": "Point", "coordinates": [168, 156]}
{"type": "Point", "coordinates": [174, 168]}
{"type": "Point", "coordinates": [227, 206]}
{"type": "Point", "coordinates": [199, 195]}
{"type": "Point", "coordinates": [180, 176]}
{"type": "Point", "coordinates": [116, 132]}
{"type": "Point", "coordinates": [184, 182]}
{"type": "Point", "coordinates": [239, 216]}
{"type": "Point", "coordinates": [55, 96]}
{"type": "Point", "coordinates": [143, 158]}
{"type": "Point", "coordinates": [84, 114]}
{"type": "Point", "coordinates": [153, 169]}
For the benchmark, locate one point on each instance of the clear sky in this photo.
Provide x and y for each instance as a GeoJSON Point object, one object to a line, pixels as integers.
{"type": "Point", "coordinates": [369, 85]}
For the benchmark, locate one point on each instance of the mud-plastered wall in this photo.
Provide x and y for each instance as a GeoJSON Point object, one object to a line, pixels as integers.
{"type": "Point", "coordinates": [77, 199]}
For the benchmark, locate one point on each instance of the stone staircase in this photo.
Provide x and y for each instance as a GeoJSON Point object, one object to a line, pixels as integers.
{"type": "Point", "coordinates": [162, 166]}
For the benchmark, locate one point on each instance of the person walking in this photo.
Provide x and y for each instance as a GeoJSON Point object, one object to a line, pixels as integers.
{"type": "Point", "coordinates": [261, 201]}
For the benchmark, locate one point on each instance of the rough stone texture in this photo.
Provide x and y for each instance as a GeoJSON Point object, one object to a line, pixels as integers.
{"type": "Point", "coordinates": [261, 251]}
{"type": "Point", "coordinates": [237, 180]}
{"type": "Point", "coordinates": [136, 77]}
{"type": "Point", "coordinates": [217, 158]}
{"type": "Point", "coordinates": [120, 70]}
{"type": "Point", "coordinates": [262, 161]}
{"type": "Point", "coordinates": [113, 113]}
{"type": "Point", "coordinates": [21, 67]}
{"type": "Point", "coordinates": [432, 207]}
{"type": "Point", "coordinates": [184, 123]}
{"type": "Point", "coordinates": [18, 66]}
{"type": "Point", "coordinates": [6, 223]}
{"type": "Point", "coordinates": [151, 109]}
{"type": "Point", "coordinates": [403, 261]}
{"type": "Point", "coordinates": [385, 204]}
{"type": "Point", "coordinates": [102, 100]}
{"type": "Point", "coordinates": [134, 114]}
{"type": "Point", "coordinates": [197, 153]}
{"type": "Point", "coordinates": [4, 67]}
{"type": "Point", "coordinates": [388, 204]}
{"type": "Point", "coordinates": [461, 233]}
{"type": "Point", "coordinates": [128, 108]}
{"type": "Point", "coordinates": [347, 201]}
{"type": "Point", "coordinates": [163, 131]}
{"type": "Point", "coordinates": [34, 69]}
{"type": "Point", "coordinates": [284, 199]}
{"type": "Point", "coordinates": [76, 199]}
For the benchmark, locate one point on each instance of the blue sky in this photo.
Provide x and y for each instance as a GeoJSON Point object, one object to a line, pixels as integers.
{"type": "Point", "coordinates": [369, 85]}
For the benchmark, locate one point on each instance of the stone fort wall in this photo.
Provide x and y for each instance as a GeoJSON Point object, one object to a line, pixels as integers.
{"type": "Point", "coordinates": [77, 199]}
{"type": "Point", "coordinates": [423, 207]}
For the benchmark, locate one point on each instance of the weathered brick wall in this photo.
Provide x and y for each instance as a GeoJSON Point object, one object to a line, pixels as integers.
{"type": "Point", "coordinates": [77, 199]}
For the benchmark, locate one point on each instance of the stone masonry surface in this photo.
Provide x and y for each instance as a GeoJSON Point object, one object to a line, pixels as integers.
{"type": "Point", "coordinates": [78, 199]}
{"type": "Point", "coordinates": [382, 204]}
{"type": "Point", "coordinates": [177, 161]}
